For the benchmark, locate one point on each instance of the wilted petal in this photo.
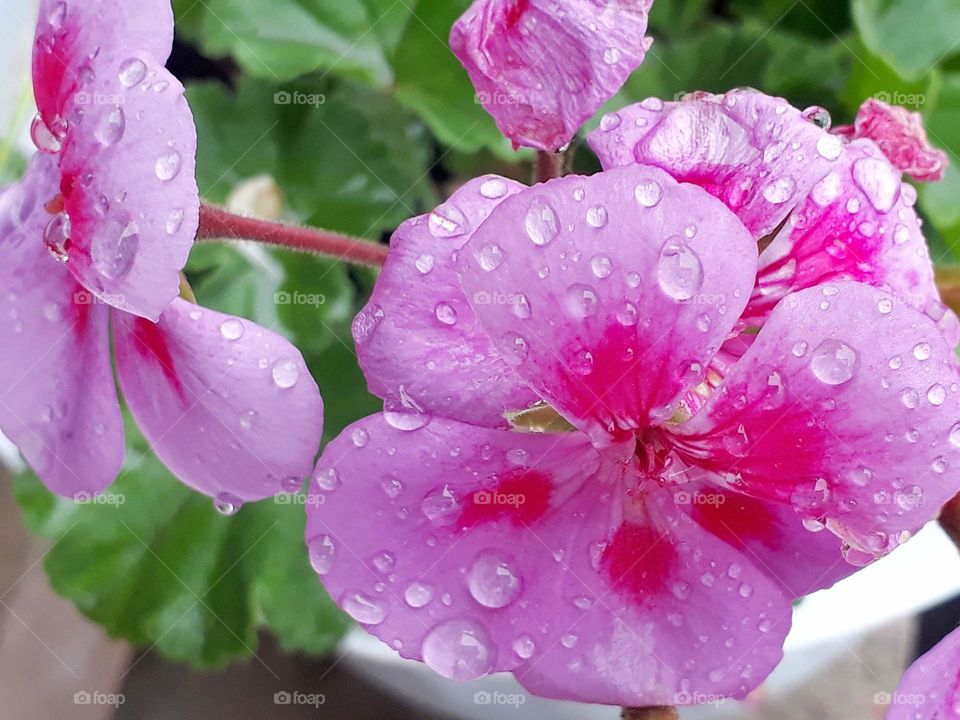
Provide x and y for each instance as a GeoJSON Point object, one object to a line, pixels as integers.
{"type": "Point", "coordinates": [901, 136]}
{"type": "Point", "coordinates": [542, 68]}
{"type": "Point", "coordinates": [844, 407]}
{"type": "Point", "coordinates": [418, 340]}
{"type": "Point", "coordinates": [518, 552]}
{"type": "Point", "coordinates": [930, 688]}
{"type": "Point", "coordinates": [756, 153]}
{"type": "Point", "coordinates": [58, 401]}
{"type": "Point", "coordinates": [128, 147]}
{"type": "Point", "coordinates": [630, 282]}
{"type": "Point", "coordinates": [229, 406]}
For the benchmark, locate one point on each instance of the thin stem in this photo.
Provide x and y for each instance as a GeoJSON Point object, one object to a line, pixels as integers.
{"type": "Point", "coordinates": [950, 520]}
{"type": "Point", "coordinates": [549, 165]}
{"type": "Point", "coordinates": [217, 223]}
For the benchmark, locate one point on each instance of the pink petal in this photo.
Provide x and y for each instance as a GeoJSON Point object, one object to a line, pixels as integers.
{"type": "Point", "coordinates": [844, 407]}
{"type": "Point", "coordinates": [128, 147]}
{"type": "Point", "coordinates": [542, 68]}
{"type": "Point", "coordinates": [756, 153]}
{"type": "Point", "coordinates": [418, 341]}
{"type": "Point", "coordinates": [480, 550]}
{"type": "Point", "coordinates": [902, 138]}
{"type": "Point", "coordinates": [858, 223]}
{"type": "Point", "coordinates": [58, 401]}
{"type": "Point", "coordinates": [770, 534]}
{"type": "Point", "coordinates": [627, 284]}
{"type": "Point", "coordinates": [930, 688]}
{"type": "Point", "coordinates": [229, 407]}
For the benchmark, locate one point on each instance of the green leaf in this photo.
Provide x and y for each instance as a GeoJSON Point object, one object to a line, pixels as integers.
{"type": "Point", "coordinates": [824, 19]}
{"type": "Point", "coordinates": [431, 81]}
{"type": "Point", "coordinates": [870, 77]}
{"type": "Point", "coordinates": [153, 562]}
{"type": "Point", "coordinates": [912, 36]}
{"type": "Point", "coordinates": [939, 200]}
{"type": "Point", "coordinates": [674, 18]}
{"type": "Point", "coordinates": [283, 39]}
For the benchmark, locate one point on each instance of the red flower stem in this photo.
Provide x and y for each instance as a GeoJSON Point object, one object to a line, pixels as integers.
{"type": "Point", "coordinates": [217, 223]}
{"type": "Point", "coordinates": [649, 713]}
{"type": "Point", "coordinates": [549, 166]}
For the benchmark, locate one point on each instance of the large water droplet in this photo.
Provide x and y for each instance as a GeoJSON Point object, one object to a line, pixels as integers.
{"type": "Point", "coordinates": [441, 506]}
{"type": "Point", "coordinates": [322, 552]}
{"type": "Point", "coordinates": [424, 263]}
{"type": "Point", "coordinates": [56, 236]}
{"type": "Point", "coordinates": [418, 594]}
{"type": "Point", "coordinates": [110, 127]}
{"type": "Point", "coordinates": [830, 146]}
{"type": "Point", "coordinates": [446, 314]}
{"type": "Point", "coordinates": [132, 72]}
{"type": "Point", "coordinates": [168, 165]}
{"type": "Point", "coordinates": [448, 221]}
{"type": "Point", "coordinates": [285, 373]}
{"type": "Point", "coordinates": [493, 188]}
{"type": "Point", "coordinates": [459, 649]}
{"type": "Point", "coordinates": [542, 224]}
{"type": "Point", "coordinates": [231, 329]}
{"type": "Point", "coordinates": [597, 216]}
{"type": "Point", "coordinates": [601, 266]}
{"type": "Point", "coordinates": [363, 609]}
{"type": "Point", "coordinates": [492, 582]}
{"type": "Point", "coordinates": [406, 421]}
{"type": "Point", "coordinates": [524, 646]}
{"type": "Point", "coordinates": [879, 182]}
{"type": "Point", "coordinates": [490, 256]}
{"type": "Point", "coordinates": [114, 253]}
{"type": "Point", "coordinates": [581, 300]}
{"type": "Point", "coordinates": [833, 362]}
{"type": "Point", "coordinates": [780, 190]}
{"type": "Point", "coordinates": [227, 504]}
{"type": "Point", "coordinates": [679, 270]}
{"type": "Point", "coordinates": [922, 351]}
{"type": "Point", "coordinates": [648, 193]}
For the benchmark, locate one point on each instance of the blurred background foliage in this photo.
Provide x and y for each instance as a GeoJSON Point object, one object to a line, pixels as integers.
{"type": "Point", "coordinates": [362, 117]}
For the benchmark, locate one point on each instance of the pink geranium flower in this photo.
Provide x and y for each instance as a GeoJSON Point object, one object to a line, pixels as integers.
{"type": "Point", "coordinates": [823, 208]}
{"type": "Point", "coordinates": [542, 68]}
{"type": "Point", "coordinates": [573, 483]}
{"type": "Point", "coordinates": [92, 239]}
{"type": "Point", "coordinates": [930, 688]}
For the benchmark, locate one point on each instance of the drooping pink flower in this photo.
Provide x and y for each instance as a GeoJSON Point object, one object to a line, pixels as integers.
{"type": "Point", "coordinates": [930, 688]}
{"type": "Point", "coordinates": [542, 68]}
{"type": "Point", "coordinates": [901, 136]}
{"type": "Point", "coordinates": [91, 242]}
{"type": "Point", "coordinates": [569, 483]}
{"type": "Point", "coordinates": [823, 209]}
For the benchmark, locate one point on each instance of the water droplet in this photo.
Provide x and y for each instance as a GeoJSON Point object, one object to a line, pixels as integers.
{"type": "Point", "coordinates": [799, 348]}
{"type": "Point", "coordinates": [424, 263]}
{"type": "Point", "coordinates": [524, 646]}
{"type": "Point", "coordinates": [610, 121]}
{"type": "Point", "coordinates": [57, 15]}
{"type": "Point", "coordinates": [114, 254]}
{"type": "Point", "coordinates": [285, 373]}
{"type": "Point", "coordinates": [45, 140]}
{"type": "Point", "coordinates": [581, 300]}
{"type": "Point", "coordinates": [492, 582]}
{"type": "Point", "coordinates": [827, 190]}
{"type": "Point", "coordinates": [612, 55]}
{"type": "Point", "coordinates": [167, 166]}
{"type": "Point", "coordinates": [648, 193]}
{"type": "Point", "coordinates": [936, 394]}
{"type": "Point", "coordinates": [231, 329]}
{"type": "Point", "coordinates": [446, 314]}
{"type": "Point", "coordinates": [885, 306]}
{"type": "Point", "coordinates": [833, 362]}
{"type": "Point", "coordinates": [441, 506]}
{"type": "Point", "coordinates": [328, 479]}
{"type": "Point", "coordinates": [627, 314]}
{"type": "Point", "coordinates": [384, 562]}
{"type": "Point", "coordinates": [955, 435]}
{"type": "Point", "coordinates": [922, 351]}
{"type": "Point", "coordinates": [406, 421]}
{"type": "Point", "coordinates": [879, 182]}
{"type": "Point", "coordinates": [493, 188]}
{"type": "Point", "coordinates": [780, 190]}
{"type": "Point", "coordinates": [900, 235]}
{"type": "Point", "coordinates": [321, 551]}
{"type": "Point", "coordinates": [56, 236]}
{"type": "Point", "coordinates": [227, 504]}
{"type": "Point", "coordinates": [830, 146]}
{"type": "Point", "coordinates": [418, 594]}
{"type": "Point", "coordinates": [132, 72]}
{"type": "Point", "coordinates": [459, 649]}
{"type": "Point", "coordinates": [174, 221]}
{"type": "Point", "coordinates": [542, 224]}
{"type": "Point", "coordinates": [448, 221]}
{"type": "Point", "coordinates": [601, 266]}
{"type": "Point", "coordinates": [597, 216]}
{"type": "Point", "coordinates": [490, 257]}
{"type": "Point", "coordinates": [363, 609]}
{"type": "Point", "coordinates": [521, 307]}
{"type": "Point", "coordinates": [679, 270]}
{"type": "Point", "coordinates": [910, 397]}
{"type": "Point", "coordinates": [360, 437]}
{"type": "Point", "coordinates": [110, 127]}
{"type": "Point", "coordinates": [514, 346]}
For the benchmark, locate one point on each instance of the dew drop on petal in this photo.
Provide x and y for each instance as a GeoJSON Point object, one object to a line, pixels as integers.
{"type": "Point", "coordinates": [360, 437]}
{"type": "Point", "coordinates": [459, 649]}
{"type": "Point", "coordinates": [44, 140]}
{"type": "Point", "coordinates": [168, 165]}
{"type": "Point", "coordinates": [364, 609]}
{"type": "Point", "coordinates": [955, 435]}
{"type": "Point", "coordinates": [227, 504]}
{"type": "Point", "coordinates": [542, 224]}
{"type": "Point", "coordinates": [780, 191]}
{"type": "Point", "coordinates": [679, 270]}
{"type": "Point", "coordinates": [132, 72]}
{"type": "Point", "coordinates": [493, 188]}
{"type": "Point", "coordinates": [231, 329]}
{"type": "Point", "coordinates": [601, 266]}
{"type": "Point", "coordinates": [922, 351]}
{"type": "Point", "coordinates": [321, 551]}
{"type": "Point", "coordinates": [833, 362]}
{"type": "Point", "coordinates": [418, 594]}
{"type": "Point", "coordinates": [581, 300]}
{"type": "Point", "coordinates": [490, 257]}
{"type": "Point", "coordinates": [830, 146]}
{"type": "Point", "coordinates": [885, 306]}
{"type": "Point", "coordinates": [441, 506]}
{"type": "Point", "coordinates": [597, 216]}
{"type": "Point", "coordinates": [524, 646]}
{"type": "Point", "coordinates": [114, 253]}
{"type": "Point", "coordinates": [56, 236]}
{"type": "Point", "coordinates": [110, 127]}
{"type": "Point", "coordinates": [909, 397]}
{"type": "Point", "coordinates": [328, 479]}
{"type": "Point", "coordinates": [879, 182]}
{"type": "Point", "coordinates": [424, 263]}
{"type": "Point", "coordinates": [285, 373]}
{"type": "Point", "coordinates": [492, 582]}
{"type": "Point", "coordinates": [174, 221]}
{"type": "Point", "coordinates": [648, 193]}
{"type": "Point", "coordinates": [406, 421]}
{"type": "Point", "coordinates": [936, 394]}
{"type": "Point", "coordinates": [446, 314]}
{"type": "Point", "coordinates": [448, 221]}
